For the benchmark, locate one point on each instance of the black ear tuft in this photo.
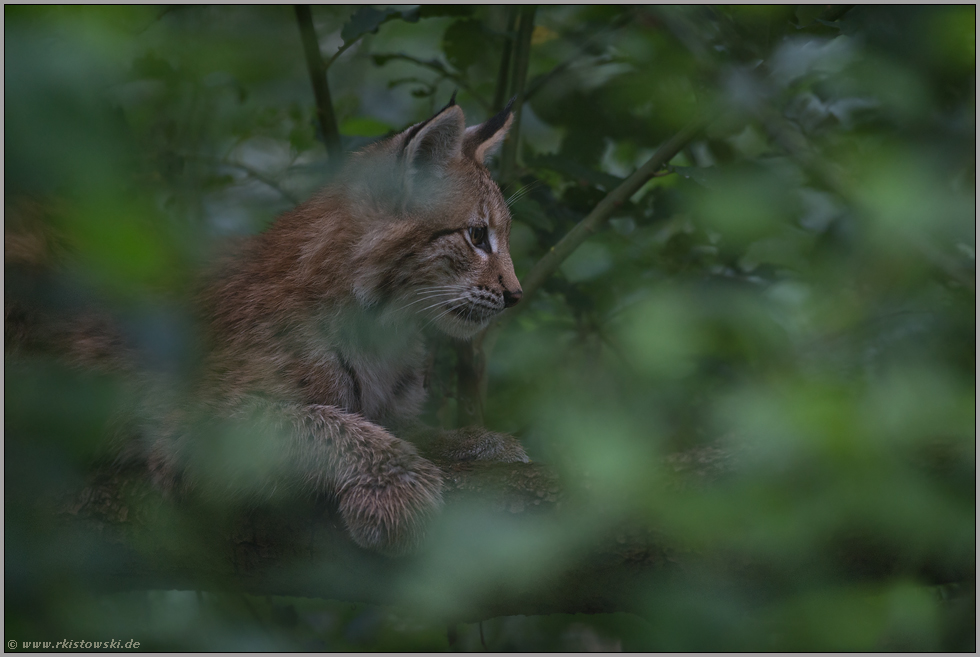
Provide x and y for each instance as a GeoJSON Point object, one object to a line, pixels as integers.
{"type": "Point", "coordinates": [490, 127]}
{"type": "Point", "coordinates": [482, 140]}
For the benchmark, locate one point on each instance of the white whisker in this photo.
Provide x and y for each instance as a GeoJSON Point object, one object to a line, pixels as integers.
{"type": "Point", "coordinates": [522, 192]}
{"type": "Point", "coordinates": [440, 315]}
{"type": "Point", "coordinates": [441, 302]}
{"type": "Point", "coordinates": [452, 307]}
{"type": "Point", "coordinates": [434, 295]}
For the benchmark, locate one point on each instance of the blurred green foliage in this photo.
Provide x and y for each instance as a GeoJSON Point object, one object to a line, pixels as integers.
{"type": "Point", "coordinates": [797, 290]}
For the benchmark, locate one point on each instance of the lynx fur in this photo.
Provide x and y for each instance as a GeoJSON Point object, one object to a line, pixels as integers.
{"type": "Point", "coordinates": [315, 327]}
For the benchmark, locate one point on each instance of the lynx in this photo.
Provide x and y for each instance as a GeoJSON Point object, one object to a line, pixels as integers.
{"type": "Point", "coordinates": [313, 332]}
{"type": "Point", "coordinates": [318, 323]}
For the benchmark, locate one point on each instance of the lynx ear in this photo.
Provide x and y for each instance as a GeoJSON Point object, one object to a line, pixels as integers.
{"type": "Point", "coordinates": [436, 142]}
{"type": "Point", "coordinates": [482, 140]}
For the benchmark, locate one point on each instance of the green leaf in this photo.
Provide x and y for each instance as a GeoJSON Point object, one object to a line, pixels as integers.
{"type": "Point", "coordinates": [302, 137]}
{"type": "Point", "coordinates": [368, 19]}
{"type": "Point", "coordinates": [807, 14]}
{"type": "Point", "coordinates": [154, 67]}
{"type": "Point", "coordinates": [705, 176]}
{"type": "Point", "coordinates": [364, 126]}
{"type": "Point", "coordinates": [218, 181]}
{"type": "Point", "coordinates": [464, 43]}
{"type": "Point", "coordinates": [587, 262]}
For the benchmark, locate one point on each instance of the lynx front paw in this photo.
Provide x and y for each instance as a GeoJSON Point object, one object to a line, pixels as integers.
{"type": "Point", "coordinates": [478, 444]}
{"type": "Point", "coordinates": [386, 506]}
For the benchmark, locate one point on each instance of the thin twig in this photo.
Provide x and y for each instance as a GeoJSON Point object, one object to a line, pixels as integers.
{"type": "Point", "coordinates": [254, 173]}
{"type": "Point", "coordinates": [342, 49]}
{"type": "Point", "coordinates": [262, 178]}
{"type": "Point", "coordinates": [321, 89]}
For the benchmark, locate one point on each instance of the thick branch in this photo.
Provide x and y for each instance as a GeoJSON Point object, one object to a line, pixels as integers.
{"type": "Point", "coordinates": [318, 78]}
{"type": "Point", "coordinates": [301, 549]}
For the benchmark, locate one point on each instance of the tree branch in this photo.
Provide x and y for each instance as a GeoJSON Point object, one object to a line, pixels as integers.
{"type": "Point", "coordinates": [503, 74]}
{"type": "Point", "coordinates": [250, 171]}
{"type": "Point", "coordinates": [470, 360]}
{"type": "Point", "coordinates": [299, 548]}
{"type": "Point", "coordinates": [262, 178]}
{"type": "Point", "coordinates": [342, 49]}
{"type": "Point", "coordinates": [518, 79]}
{"type": "Point", "coordinates": [548, 264]}
{"type": "Point", "coordinates": [469, 384]}
{"type": "Point", "coordinates": [318, 78]}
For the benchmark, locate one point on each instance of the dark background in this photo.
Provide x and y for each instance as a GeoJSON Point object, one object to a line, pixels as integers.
{"type": "Point", "coordinates": [797, 286]}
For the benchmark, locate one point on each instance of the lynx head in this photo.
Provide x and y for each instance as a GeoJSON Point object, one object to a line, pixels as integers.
{"type": "Point", "coordinates": [436, 246]}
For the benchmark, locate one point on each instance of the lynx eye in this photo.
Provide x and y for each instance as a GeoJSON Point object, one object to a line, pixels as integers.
{"type": "Point", "coordinates": [478, 235]}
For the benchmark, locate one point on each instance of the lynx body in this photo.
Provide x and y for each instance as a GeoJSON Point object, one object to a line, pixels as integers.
{"type": "Point", "coordinates": [318, 322]}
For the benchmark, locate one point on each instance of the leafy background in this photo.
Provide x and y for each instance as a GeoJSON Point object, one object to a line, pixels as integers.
{"type": "Point", "coordinates": [796, 286]}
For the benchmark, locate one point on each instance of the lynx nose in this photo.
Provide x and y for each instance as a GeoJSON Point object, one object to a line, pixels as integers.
{"type": "Point", "coordinates": [511, 298]}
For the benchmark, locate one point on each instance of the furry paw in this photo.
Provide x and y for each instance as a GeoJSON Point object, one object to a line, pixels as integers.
{"type": "Point", "coordinates": [477, 444]}
{"type": "Point", "coordinates": [385, 506]}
